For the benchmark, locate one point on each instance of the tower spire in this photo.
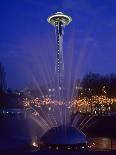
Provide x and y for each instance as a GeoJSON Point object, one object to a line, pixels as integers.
{"type": "Point", "coordinates": [59, 21]}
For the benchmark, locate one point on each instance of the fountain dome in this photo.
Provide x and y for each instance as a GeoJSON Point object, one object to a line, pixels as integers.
{"type": "Point", "coordinates": [64, 136]}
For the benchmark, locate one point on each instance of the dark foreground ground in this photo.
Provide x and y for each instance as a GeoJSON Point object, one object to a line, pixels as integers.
{"type": "Point", "coordinates": [14, 134]}
{"type": "Point", "coordinates": [48, 152]}
{"type": "Point", "coordinates": [101, 126]}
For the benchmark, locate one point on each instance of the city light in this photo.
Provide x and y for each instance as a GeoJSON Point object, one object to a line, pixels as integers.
{"type": "Point", "coordinates": [95, 103]}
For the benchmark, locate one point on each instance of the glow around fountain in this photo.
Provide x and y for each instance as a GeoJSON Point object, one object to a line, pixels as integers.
{"type": "Point", "coordinates": [55, 112]}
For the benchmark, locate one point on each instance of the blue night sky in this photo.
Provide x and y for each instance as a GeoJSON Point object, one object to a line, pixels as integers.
{"type": "Point", "coordinates": [27, 41]}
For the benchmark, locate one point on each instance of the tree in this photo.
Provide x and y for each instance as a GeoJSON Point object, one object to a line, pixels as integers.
{"type": "Point", "coordinates": [2, 78]}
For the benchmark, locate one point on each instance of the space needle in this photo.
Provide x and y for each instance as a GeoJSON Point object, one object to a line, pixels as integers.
{"type": "Point", "coordinates": [59, 21]}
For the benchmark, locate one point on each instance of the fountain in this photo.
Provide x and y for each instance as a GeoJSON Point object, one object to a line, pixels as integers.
{"type": "Point", "coordinates": [62, 134]}
{"type": "Point", "coordinates": [53, 115]}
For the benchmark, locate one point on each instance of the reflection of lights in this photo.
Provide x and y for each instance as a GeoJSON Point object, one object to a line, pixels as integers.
{"type": "Point", "coordinates": [57, 148]}
{"type": "Point", "coordinates": [34, 144]}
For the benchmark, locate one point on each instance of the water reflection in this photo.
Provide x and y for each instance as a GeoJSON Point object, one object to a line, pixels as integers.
{"type": "Point", "coordinates": [102, 143]}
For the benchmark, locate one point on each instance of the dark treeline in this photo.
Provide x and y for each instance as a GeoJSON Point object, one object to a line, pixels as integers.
{"type": "Point", "coordinates": [96, 84]}
{"type": "Point", "coordinates": [92, 84]}
{"type": "Point", "coordinates": [8, 97]}
{"type": "Point", "coordinates": [2, 78]}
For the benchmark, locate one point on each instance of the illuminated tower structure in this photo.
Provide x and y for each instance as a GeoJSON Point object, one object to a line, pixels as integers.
{"type": "Point", "coordinates": [59, 21]}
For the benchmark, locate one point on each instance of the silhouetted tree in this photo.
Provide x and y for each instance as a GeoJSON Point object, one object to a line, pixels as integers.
{"type": "Point", "coordinates": [2, 78]}
{"type": "Point", "coordinates": [91, 84]}
{"type": "Point", "coordinates": [112, 86]}
{"type": "Point", "coordinates": [95, 84]}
